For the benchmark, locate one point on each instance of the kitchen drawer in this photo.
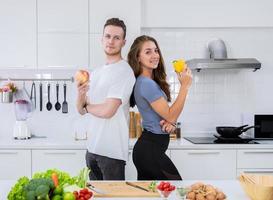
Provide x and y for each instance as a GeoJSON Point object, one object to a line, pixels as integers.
{"type": "Point", "coordinates": [71, 161]}
{"type": "Point", "coordinates": [261, 158]}
{"type": "Point", "coordinates": [205, 164]}
{"type": "Point", "coordinates": [255, 171]}
{"type": "Point", "coordinates": [15, 164]}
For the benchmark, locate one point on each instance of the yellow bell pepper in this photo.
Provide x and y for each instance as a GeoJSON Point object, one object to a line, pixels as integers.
{"type": "Point", "coordinates": [179, 65]}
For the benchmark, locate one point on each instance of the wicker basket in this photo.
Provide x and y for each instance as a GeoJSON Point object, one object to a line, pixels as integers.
{"type": "Point", "coordinates": [257, 187]}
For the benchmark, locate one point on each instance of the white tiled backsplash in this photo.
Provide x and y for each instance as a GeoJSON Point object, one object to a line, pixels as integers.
{"type": "Point", "coordinates": [216, 97]}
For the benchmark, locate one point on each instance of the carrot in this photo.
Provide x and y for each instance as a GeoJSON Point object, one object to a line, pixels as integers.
{"type": "Point", "coordinates": [54, 178]}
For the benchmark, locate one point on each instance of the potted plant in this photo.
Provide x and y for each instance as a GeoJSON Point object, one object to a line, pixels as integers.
{"type": "Point", "coordinates": [7, 92]}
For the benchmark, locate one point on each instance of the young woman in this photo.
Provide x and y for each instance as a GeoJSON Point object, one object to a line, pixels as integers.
{"type": "Point", "coordinates": [151, 95]}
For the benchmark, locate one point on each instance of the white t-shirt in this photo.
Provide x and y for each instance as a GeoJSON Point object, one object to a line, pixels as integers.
{"type": "Point", "coordinates": [110, 137]}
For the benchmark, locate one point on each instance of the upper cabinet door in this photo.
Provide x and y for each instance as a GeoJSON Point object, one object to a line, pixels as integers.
{"type": "Point", "coordinates": [62, 33]}
{"type": "Point", "coordinates": [62, 50]}
{"type": "Point", "coordinates": [209, 13]}
{"type": "Point", "coordinates": [18, 33]}
{"type": "Point", "coordinates": [101, 10]}
{"type": "Point", "coordinates": [62, 16]}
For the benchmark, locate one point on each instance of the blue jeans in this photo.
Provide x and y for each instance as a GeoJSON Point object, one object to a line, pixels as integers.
{"type": "Point", "coordinates": [105, 168]}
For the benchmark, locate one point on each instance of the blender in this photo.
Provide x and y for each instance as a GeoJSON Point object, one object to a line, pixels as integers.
{"type": "Point", "coordinates": [21, 129]}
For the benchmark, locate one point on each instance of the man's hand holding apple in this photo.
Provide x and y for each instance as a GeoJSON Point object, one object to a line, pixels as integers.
{"type": "Point", "coordinates": [82, 79]}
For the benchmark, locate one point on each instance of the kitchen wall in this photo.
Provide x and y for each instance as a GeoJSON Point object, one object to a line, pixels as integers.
{"type": "Point", "coordinates": [38, 35]}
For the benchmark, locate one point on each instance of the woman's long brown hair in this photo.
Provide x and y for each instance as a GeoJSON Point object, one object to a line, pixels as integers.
{"type": "Point", "coordinates": [159, 74]}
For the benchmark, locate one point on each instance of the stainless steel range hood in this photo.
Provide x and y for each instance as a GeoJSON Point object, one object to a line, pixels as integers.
{"type": "Point", "coordinates": [214, 63]}
{"type": "Point", "coordinates": [218, 59]}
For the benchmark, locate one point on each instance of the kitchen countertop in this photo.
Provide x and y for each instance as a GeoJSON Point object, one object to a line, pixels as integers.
{"type": "Point", "coordinates": [70, 143]}
{"type": "Point", "coordinates": [231, 188]}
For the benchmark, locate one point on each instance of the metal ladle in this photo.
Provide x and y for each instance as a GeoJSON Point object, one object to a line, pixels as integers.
{"type": "Point", "coordinates": [57, 104]}
{"type": "Point", "coordinates": [48, 105]}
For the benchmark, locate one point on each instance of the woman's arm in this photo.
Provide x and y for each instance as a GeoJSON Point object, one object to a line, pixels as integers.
{"type": "Point", "coordinates": [171, 113]}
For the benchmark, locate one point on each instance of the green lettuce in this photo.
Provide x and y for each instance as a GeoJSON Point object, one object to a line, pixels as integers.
{"type": "Point", "coordinates": [17, 191]}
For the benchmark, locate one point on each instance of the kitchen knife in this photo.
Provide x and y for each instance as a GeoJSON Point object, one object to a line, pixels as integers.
{"type": "Point", "coordinates": [93, 188]}
{"type": "Point", "coordinates": [136, 186]}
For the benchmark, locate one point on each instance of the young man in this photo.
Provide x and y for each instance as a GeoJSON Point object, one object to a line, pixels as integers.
{"type": "Point", "coordinates": [108, 105]}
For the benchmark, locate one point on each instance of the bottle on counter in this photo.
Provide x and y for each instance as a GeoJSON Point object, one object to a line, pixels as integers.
{"type": "Point", "coordinates": [138, 124]}
{"type": "Point", "coordinates": [132, 125]}
{"type": "Point", "coordinates": [178, 130]}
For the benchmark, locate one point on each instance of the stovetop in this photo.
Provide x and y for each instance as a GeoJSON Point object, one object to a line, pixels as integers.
{"type": "Point", "coordinates": [220, 140]}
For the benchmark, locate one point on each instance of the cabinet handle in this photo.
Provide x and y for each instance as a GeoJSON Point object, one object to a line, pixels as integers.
{"type": "Point", "coordinates": [258, 152]}
{"type": "Point", "coordinates": [203, 152]}
{"type": "Point", "coordinates": [259, 172]}
{"type": "Point", "coordinates": [8, 153]}
{"type": "Point", "coordinates": [60, 153]}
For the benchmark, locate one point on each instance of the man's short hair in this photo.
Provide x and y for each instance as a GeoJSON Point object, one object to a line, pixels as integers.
{"type": "Point", "coordinates": [116, 22]}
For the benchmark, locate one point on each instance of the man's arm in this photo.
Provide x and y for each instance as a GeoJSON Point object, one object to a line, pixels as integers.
{"type": "Point", "coordinates": [106, 109]}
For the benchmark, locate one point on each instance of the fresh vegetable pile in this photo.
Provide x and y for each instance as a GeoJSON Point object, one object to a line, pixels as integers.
{"type": "Point", "coordinates": [52, 185]}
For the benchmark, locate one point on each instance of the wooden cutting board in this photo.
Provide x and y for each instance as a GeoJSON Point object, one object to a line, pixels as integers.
{"type": "Point", "coordinates": [121, 189]}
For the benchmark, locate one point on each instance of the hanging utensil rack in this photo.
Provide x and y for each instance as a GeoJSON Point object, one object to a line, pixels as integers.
{"type": "Point", "coordinates": [37, 79]}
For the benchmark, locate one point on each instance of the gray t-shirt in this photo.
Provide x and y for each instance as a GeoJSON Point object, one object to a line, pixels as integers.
{"type": "Point", "coordinates": [147, 91]}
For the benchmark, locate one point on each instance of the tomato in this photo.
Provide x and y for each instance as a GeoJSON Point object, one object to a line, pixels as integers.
{"type": "Point", "coordinates": [166, 185]}
{"type": "Point", "coordinates": [87, 196]}
{"type": "Point", "coordinates": [85, 190]}
{"type": "Point", "coordinates": [172, 187]}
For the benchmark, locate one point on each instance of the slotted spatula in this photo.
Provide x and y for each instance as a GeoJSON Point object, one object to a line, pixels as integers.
{"type": "Point", "coordinates": [65, 105]}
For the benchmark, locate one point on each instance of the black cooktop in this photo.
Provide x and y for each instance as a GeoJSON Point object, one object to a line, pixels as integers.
{"type": "Point", "coordinates": [220, 140]}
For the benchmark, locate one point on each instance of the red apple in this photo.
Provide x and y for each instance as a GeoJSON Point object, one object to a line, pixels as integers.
{"type": "Point", "coordinates": [82, 76]}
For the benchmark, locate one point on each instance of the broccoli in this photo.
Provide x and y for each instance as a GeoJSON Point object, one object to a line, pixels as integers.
{"type": "Point", "coordinates": [30, 195]}
{"type": "Point", "coordinates": [42, 191]}
{"type": "Point", "coordinates": [38, 189]}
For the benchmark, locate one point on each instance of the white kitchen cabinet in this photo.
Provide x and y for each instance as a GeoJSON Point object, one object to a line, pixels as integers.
{"type": "Point", "coordinates": [255, 158]}
{"type": "Point", "coordinates": [71, 161]}
{"type": "Point", "coordinates": [96, 53]}
{"type": "Point", "coordinates": [128, 11]}
{"type": "Point", "coordinates": [62, 16]}
{"type": "Point", "coordinates": [62, 50]}
{"type": "Point", "coordinates": [130, 169]}
{"type": "Point", "coordinates": [184, 13]}
{"type": "Point", "coordinates": [205, 164]}
{"type": "Point", "coordinates": [255, 161]}
{"type": "Point", "coordinates": [63, 33]}
{"type": "Point", "coordinates": [18, 34]}
{"type": "Point", "coordinates": [15, 164]}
